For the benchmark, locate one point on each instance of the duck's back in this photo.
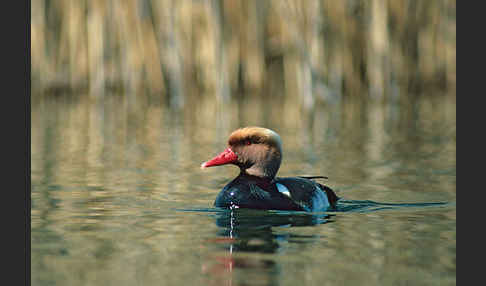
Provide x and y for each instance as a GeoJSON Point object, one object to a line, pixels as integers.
{"type": "Point", "coordinates": [292, 193]}
{"type": "Point", "coordinates": [248, 193]}
{"type": "Point", "coordinates": [307, 193]}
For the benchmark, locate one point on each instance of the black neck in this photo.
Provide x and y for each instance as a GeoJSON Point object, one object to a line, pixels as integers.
{"type": "Point", "coordinates": [261, 181]}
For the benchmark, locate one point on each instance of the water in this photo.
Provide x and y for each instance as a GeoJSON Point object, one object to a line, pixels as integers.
{"type": "Point", "coordinates": [118, 197]}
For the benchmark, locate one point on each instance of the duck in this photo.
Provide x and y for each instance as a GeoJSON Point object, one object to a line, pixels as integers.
{"type": "Point", "coordinates": [257, 151]}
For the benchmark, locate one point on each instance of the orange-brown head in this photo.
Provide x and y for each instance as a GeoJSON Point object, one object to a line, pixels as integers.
{"type": "Point", "coordinates": [256, 150]}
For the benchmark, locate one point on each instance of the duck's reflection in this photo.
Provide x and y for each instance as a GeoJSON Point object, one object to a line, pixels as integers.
{"type": "Point", "coordinates": [253, 231]}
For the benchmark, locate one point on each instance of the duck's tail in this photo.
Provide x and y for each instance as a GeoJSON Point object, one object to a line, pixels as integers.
{"type": "Point", "coordinates": [313, 177]}
{"type": "Point", "coordinates": [331, 195]}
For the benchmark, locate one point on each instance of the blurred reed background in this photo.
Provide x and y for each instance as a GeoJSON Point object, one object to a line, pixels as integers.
{"type": "Point", "coordinates": [179, 51]}
{"type": "Point", "coordinates": [129, 97]}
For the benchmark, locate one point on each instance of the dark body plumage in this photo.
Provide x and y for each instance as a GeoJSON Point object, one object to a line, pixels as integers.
{"type": "Point", "coordinates": [257, 193]}
{"type": "Point", "coordinates": [258, 153]}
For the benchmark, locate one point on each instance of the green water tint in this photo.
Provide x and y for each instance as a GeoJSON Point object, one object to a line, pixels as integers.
{"type": "Point", "coordinates": [250, 218]}
{"type": "Point", "coordinates": [343, 206]}
{"type": "Point", "coordinates": [264, 231]}
{"type": "Point", "coordinates": [118, 196]}
{"type": "Point", "coordinates": [371, 206]}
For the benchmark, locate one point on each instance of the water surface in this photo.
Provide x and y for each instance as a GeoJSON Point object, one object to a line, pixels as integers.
{"type": "Point", "coordinates": [118, 197]}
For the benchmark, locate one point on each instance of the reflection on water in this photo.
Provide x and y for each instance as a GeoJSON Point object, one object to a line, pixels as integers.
{"type": "Point", "coordinates": [109, 181]}
{"type": "Point", "coordinates": [269, 232]}
{"type": "Point", "coordinates": [252, 231]}
{"type": "Point", "coordinates": [369, 206]}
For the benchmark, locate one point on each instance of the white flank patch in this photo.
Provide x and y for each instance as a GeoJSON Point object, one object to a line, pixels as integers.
{"type": "Point", "coordinates": [283, 189]}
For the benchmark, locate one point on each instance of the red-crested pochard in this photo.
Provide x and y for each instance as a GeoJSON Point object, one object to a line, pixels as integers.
{"type": "Point", "coordinates": [257, 152]}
